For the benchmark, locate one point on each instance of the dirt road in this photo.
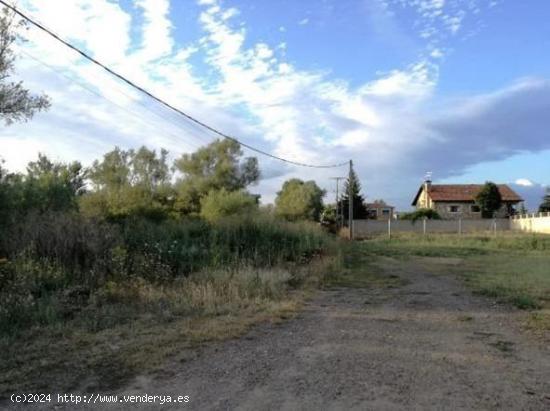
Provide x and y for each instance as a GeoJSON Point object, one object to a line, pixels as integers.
{"type": "Point", "coordinates": [428, 344]}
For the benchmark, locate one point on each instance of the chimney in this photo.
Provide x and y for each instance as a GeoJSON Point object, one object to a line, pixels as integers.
{"type": "Point", "coordinates": [427, 186]}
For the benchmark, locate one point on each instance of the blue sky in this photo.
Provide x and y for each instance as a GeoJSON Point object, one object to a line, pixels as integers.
{"type": "Point", "coordinates": [460, 88]}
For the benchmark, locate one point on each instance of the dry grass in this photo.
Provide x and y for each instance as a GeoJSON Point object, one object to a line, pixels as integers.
{"type": "Point", "coordinates": [135, 328]}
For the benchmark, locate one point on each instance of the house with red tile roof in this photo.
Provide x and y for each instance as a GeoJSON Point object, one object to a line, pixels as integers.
{"type": "Point", "coordinates": [454, 201]}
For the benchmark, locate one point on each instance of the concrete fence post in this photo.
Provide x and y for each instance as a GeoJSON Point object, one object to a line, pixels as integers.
{"type": "Point", "coordinates": [460, 226]}
{"type": "Point", "coordinates": [389, 228]}
{"type": "Point", "coordinates": [495, 226]}
{"type": "Point", "coordinates": [424, 225]}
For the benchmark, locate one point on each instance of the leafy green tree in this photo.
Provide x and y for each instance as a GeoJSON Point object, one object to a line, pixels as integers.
{"type": "Point", "coordinates": [328, 215]}
{"type": "Point", "coordinates": [52, 186]}
{"type": "Point", "coordinates": [545, 205]}
{"type": "Point", "coordinates": [7, 194]}
{"type": "Point", "coordinates": [359, 209]}
{"type": "Point", "coordinates": [129, 182]}
{"type": "Point", "coordinates": [112, 172]}
{"type": "Point", "coordinates": [522, 209]}
{"type": "Point", "coordinates": [219, 204]}
{"type": "Point", "coordinates": [489, 199]}
{"type": "Point", "coordinates": [16, 102]}
{"type": "Point", "coordinates": [46, 186]}
{"type": "Point", "coordinates": [149, 170]}
{"type": "Point", "coordinates": [328, 218]}
{"type": "Point", "coordinates": [214, 167]}
{"type": "Point", "coordinates": [299, 200]}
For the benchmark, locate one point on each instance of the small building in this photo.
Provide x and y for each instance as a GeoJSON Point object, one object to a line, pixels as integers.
{"type": "Point", "coordinates": [454, 201]}
{"type": "Point", "coordinates": [379, 210]}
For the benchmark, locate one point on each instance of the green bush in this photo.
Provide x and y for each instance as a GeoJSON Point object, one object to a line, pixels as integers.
{"type": "Point", "coordinates": [220, 204]}
{"type": "Point", "coordinates": [421, 214]}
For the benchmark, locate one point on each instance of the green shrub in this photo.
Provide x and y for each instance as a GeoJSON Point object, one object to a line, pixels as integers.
{"type": "Point", "coordinates": [220, 204]}
{"type": "Point", "coordinates": [420, 214]}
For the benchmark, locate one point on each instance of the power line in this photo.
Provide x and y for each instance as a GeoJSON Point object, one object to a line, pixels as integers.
{"type": "Point", "coordinates": [98, 94]}
{"type": "Point", "coordinates": [158, 99]}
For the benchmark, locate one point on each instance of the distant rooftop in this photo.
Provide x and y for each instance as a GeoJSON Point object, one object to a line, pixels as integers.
{"type": "Point", "coordinates": [465, 192]}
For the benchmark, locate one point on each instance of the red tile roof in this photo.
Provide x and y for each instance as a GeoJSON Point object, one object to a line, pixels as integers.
{"type": "Point", "coordinates": [465, 192]}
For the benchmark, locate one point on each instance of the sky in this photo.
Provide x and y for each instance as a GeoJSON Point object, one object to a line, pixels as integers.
{"type": "Point", "coordinates": [458, 88]}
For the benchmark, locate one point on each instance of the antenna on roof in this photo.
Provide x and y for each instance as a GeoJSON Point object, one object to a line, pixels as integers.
{"type": "Point", "coordinates": [428, 176]}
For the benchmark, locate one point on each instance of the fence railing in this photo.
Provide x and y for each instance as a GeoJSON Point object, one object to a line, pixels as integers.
{"type": "Point", "coordinates": [530, 215]}
{"type": "Point", "coordinates": [532, 223]}
{"type": "Point", "coordinates": [368, 228]}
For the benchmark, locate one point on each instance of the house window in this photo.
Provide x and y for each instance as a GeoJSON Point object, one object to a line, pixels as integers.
{"type": "Point", "coordinates": [385, 212]}
{"type": "Point", "coordinates": [454, 209]}
{"type": "Point", "coordinates": [475, 209]}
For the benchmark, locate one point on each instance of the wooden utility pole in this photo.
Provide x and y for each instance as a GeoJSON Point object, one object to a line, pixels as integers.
{"type": "Point", "coordinates": [350, 195]}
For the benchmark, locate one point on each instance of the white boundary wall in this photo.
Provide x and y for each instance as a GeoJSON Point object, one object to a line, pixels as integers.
{"type": "Point", "coordinates": [367, 228]}
{"type": "Point", "coordinates": [532, 223]}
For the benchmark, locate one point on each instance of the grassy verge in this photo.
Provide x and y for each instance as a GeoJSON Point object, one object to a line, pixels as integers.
{"type": "Point", "coordinates": [511, 268]}
{"type": "Point", "coordinates": [359, 270]}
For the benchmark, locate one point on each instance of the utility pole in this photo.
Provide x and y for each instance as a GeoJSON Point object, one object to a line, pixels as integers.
{"type": "Point", "coordinates": [350, 196]}
{"type": "Point", "coordinates": [337, 206]}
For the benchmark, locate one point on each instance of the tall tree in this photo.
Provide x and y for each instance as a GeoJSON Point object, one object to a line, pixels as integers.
{"type": "Point", "coordinates": [299, 200]}
{"type": "Point", "coordinates": [47, 186]}
{"type": "Point", "coordinates": [214, 167]}
{"type": "Point", "coordinates": [7, 195]}
{"type": "Point", "coordinates": [53, 186]}
{"type": "Point", "coordinates": [120, 168]}
{"type": "Point", "coordinates": [489, 199]}
{"type": "Point", "coordinates": [545, 205]}
{"type": "Point", "coordinates": [16, 102]}
{"type": "Point", "coordinates": [522, 209]}
{"type": "Point", "coordinates": [353, 186]}
{"type": "Point", "coordinates": [129, 182]}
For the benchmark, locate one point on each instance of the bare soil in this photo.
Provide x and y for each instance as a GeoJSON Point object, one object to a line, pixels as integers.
{"type": "Point", "coordinates": [427, 344]}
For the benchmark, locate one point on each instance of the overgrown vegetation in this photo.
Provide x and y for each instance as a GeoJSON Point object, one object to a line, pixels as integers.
{"type": "Point", "coordinates": [83, 266]}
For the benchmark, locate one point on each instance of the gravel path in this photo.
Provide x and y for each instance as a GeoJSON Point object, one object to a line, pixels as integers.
{"type": "Point", "coordinates": [429, 344]}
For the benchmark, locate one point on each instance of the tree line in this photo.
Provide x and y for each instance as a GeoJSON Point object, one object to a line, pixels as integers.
{"type": "Point", "coordinates": [212, 183]}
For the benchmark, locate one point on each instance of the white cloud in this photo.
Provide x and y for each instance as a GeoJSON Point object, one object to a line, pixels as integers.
{"type": "Point", "coordinates": [439, 20]}
{"type": "Point", "coordinates": [524, 182]}
{"type": "Point", "coordinates": [436, 53]}
{"type": "Point", "coordinates": [303, 22]}
{"type": "Point", "coordinates": [157, 41]}
{"type": "Point", "coordinates": [86, 23]}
